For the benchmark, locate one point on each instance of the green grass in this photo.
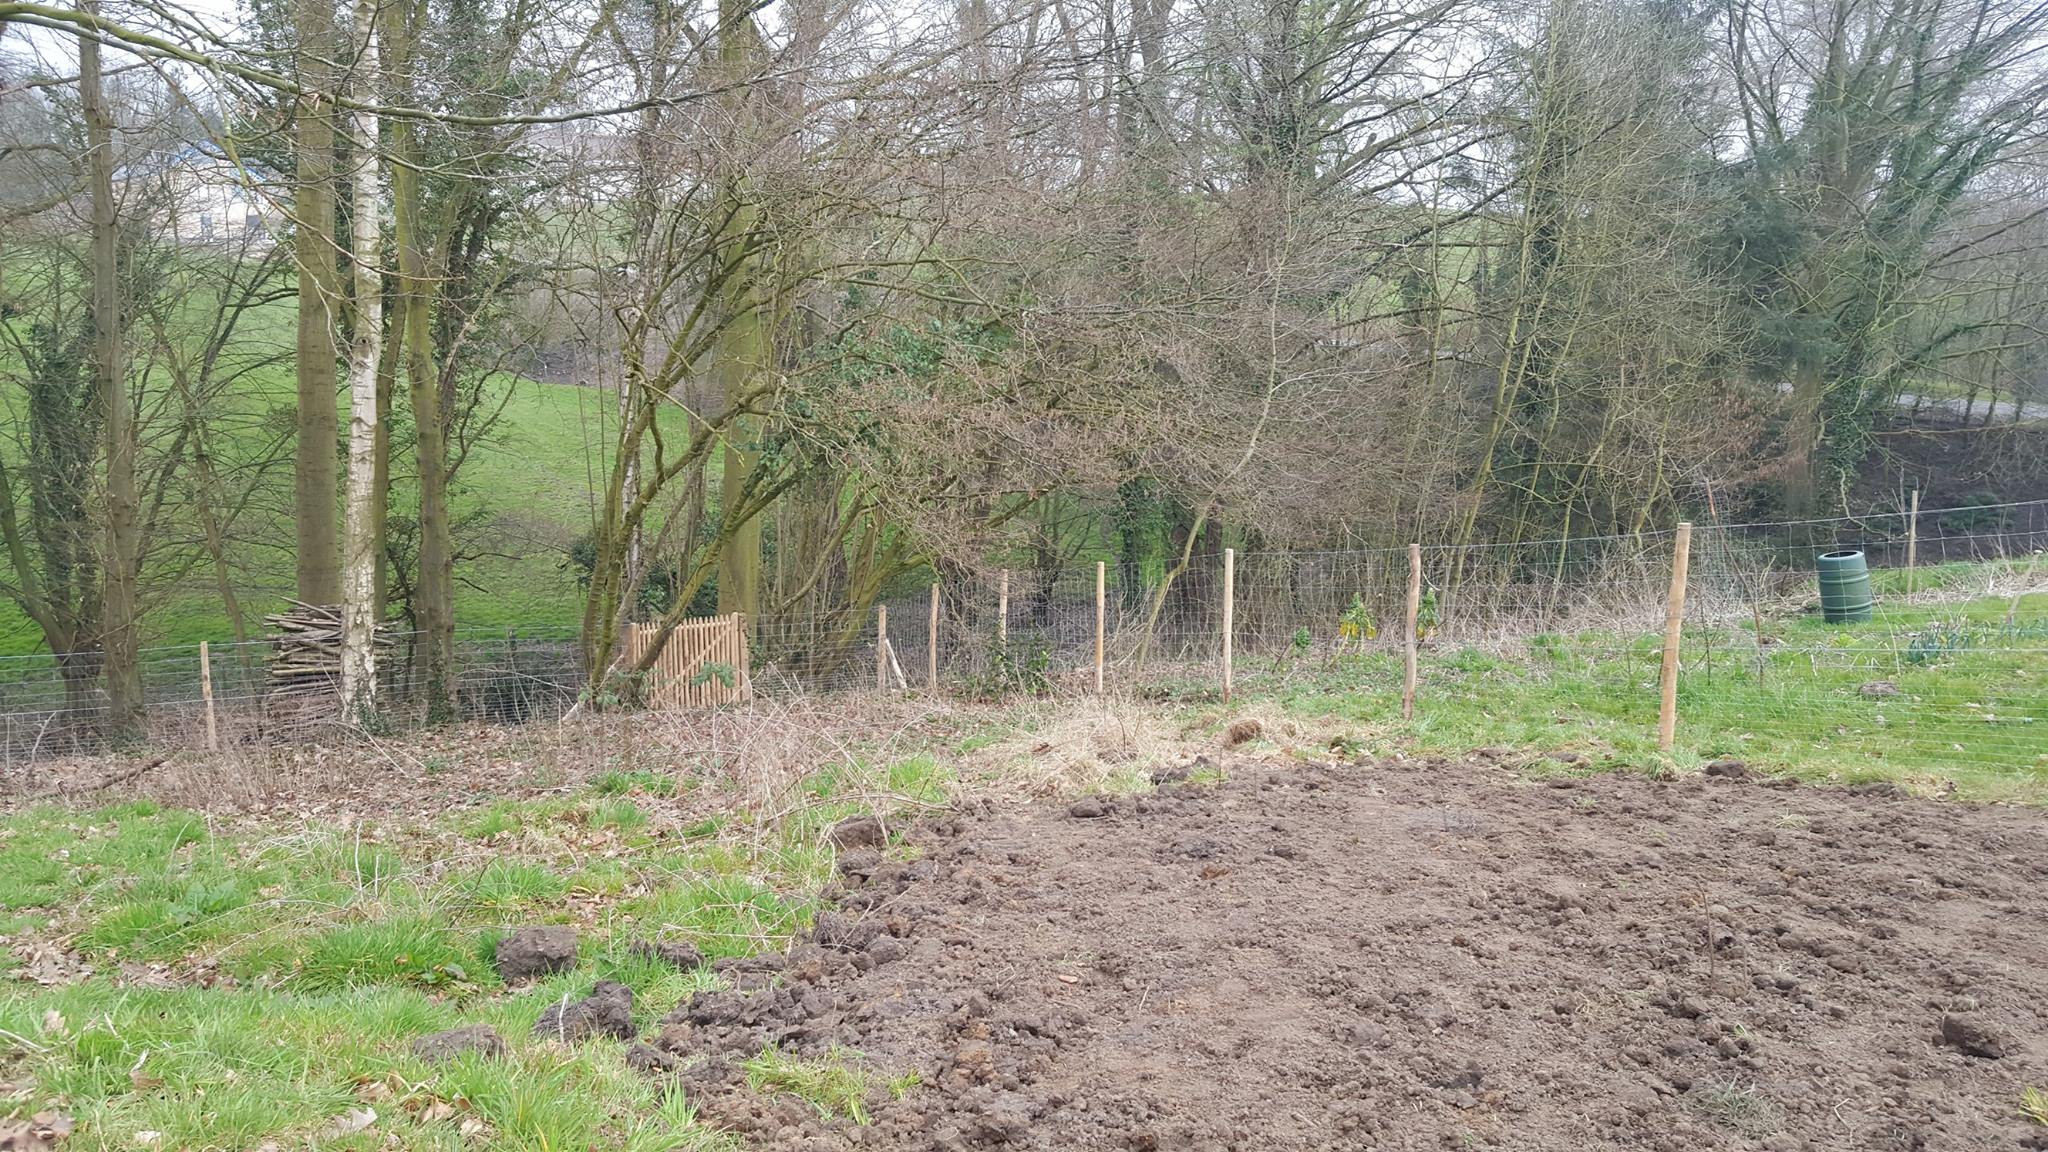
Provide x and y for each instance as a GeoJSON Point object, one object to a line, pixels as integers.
{"type": "Point", "coordinates": [258, 983]}
{"type": "Point", "coordinates": [836, 1084]}
{"type": "Point", "coordinates": [724, 914]}
{"type": "Point", "coordinates": [2034, 1105]}
{"type": "Point", "coordinates": [219, 1068]}
{"type": "Point", "coordinates": [1971, 702]}
{"type": "Point", "coordinates": [1741, 1108]}
{"type": "Point", "coordinates": [620, 782]}
{"type": "Point", "coordinates": [533, 476]}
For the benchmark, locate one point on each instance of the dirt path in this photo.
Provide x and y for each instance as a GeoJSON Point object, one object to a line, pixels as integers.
{"type": "Point", "coordinates": [1424, 956]}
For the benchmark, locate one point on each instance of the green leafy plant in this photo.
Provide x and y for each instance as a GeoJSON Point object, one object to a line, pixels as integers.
{"type": "Point", "coordinates": [1357, 624]}
{"type": "Point", "coordinates": [1428, 615]}
{"type": "Point", "coordinates": [1011, 673]}
{"type": "Point", "coordinates": [1937, 643]}
{"type": "Point", "coordinates": [723, 673]}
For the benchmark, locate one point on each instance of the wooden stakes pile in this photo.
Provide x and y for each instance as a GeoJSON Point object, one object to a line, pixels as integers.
{"type": "Point", "coordinates": [306, 649]}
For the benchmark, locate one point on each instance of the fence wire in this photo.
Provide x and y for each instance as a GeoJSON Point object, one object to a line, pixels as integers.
{"type": "Point", "coordinates": [1562, 634]}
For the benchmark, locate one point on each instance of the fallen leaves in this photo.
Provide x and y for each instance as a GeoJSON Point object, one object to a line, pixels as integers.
{"type": "Point", "coordinates": [44, 1130]}
{"type": "Point", "coordinates": [348, 1123]}
{"type": "Point", "coordinates": [48, 965]}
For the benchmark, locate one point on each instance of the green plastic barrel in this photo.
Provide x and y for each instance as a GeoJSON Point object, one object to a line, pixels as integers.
{"type": "Point", "coordinates": [1844, 587]}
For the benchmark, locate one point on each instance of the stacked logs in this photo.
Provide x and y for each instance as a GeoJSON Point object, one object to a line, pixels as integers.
{"type": "Point", "coordinates": [305, 659]}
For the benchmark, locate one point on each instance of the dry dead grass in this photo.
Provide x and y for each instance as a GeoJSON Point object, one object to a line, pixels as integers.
{"type": "Point", "coordinates": [1115, 742]}
{"type": "Point", "coordinates": [765, 756]}
{"type": "Point", "coordinates": [762, 753]}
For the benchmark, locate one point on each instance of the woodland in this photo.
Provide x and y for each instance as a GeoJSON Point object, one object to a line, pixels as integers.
{"type": "Point", "coordinates": [848, 292]}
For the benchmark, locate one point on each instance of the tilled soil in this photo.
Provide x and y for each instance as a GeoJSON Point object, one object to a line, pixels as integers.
{"type": "Point", "coordinates": [1418, 955]}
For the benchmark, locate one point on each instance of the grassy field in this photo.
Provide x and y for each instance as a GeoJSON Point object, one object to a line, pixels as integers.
{"type": "Point", "coordinates": [531, 479]}
{"type": "Point", "coordinates": [185, 981]}
{"type": "Point", "coordinates": [1928, 694]}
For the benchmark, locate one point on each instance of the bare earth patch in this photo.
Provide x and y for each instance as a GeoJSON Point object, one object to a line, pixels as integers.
{"type": "Point", "coordinates": [1414, 955]}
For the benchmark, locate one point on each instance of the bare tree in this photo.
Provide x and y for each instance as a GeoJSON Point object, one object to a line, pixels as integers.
{"type": "Point", "coordinates": [362, 545]}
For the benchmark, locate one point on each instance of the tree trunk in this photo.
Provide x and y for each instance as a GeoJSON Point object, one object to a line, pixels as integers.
{"type": "Point", "coordinates": [316, 476]}
{"type": "Point", "coordinates": [380, 505]}
{"type": "Point", "coordinates": [359, 567]}
{"type": "Point", "coordinates": [745, 344]}
{"type": "Point", "coordinates": [433, 593]}
{"type": "Point", "coordinates": [1803, 433]}
{"type": "Point", "coordinates": [123, 673]}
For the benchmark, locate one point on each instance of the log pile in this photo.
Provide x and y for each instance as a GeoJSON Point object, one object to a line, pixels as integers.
{"type": "Point", "coordinates": [305, 659]}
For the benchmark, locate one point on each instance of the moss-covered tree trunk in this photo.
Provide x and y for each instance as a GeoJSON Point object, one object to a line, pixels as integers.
{"type": "Point", "coordinates": [316, 476]}
{"type": "Point", "coordinates": [433, 596]}
{"type": "Point", "coordinates": [746, 343]}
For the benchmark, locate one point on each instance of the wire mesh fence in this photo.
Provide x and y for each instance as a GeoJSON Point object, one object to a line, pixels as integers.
{"type": "Point", "coordinates": [51, 706]}
{"type": "Point", "coordinates": [1516, 641]}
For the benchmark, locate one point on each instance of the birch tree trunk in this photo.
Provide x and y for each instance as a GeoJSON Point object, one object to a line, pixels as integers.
{"type": "Point", "coordinates": [118, 645]}
{"type": "Point", "coordinates": [361, 546]}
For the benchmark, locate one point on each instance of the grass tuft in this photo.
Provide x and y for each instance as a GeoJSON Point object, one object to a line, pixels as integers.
{"type": "Point", "coordinates": [835, 1085]}
{"type": "Point", "coordinates": [1741, 1108]}
{"type": "Point", "coordinates": [2034, 1104]}
{"type": "Point", "coordinates": [412, 950]}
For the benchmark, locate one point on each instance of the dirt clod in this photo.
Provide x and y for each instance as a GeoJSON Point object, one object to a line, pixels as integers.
{"type": "Point", "coordinates": [859, 832]}
{"type": "Point", "coordinates": [679, 954]}
{"type": "Point", "coordinates": [441, 1047]}
{"type": "Point", "coordinates": [607, 1011]}
{"type": "Point", "coordinates": [859, 863]}
{"type": "Point", "coordinates": [648, 1059]}
{"type": "Point", "coordinates": [528, 953]}
{"type": "Point", "coordinates": [1172, 773]}
{"type": "Point", "coordinates": [1976, 1037]}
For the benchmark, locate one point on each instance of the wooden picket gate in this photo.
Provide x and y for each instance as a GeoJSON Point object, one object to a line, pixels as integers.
{"type": "Point", "coordinates": [704, 663]}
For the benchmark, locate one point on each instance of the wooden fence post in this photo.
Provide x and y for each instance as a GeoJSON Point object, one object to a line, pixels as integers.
{"type": "Point", "coordinates": [206, 694]}
{"type": "Point", "coordinates": [1408, 634]}
{"type": "Point", "coordinates": [1101, 618]}
{"type": "Point", "coordinates": [1674, 622]}
{"type": "Point", "coordinates": [1229, 614]}
{"type": "Point", "coordinates": [742, 658]}
{"type": "Point", "coordinates": [1913, 544]}
{"type": "Point", "coordinates": [931, 646]}
{"type": "Point", "coordinates": [1003, 609]}
{"type": "Point", "coordinates": [882, 648]}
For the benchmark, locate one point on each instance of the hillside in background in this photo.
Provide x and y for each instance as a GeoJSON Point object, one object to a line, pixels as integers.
{"type": "Point", "coordinates": [526, 490]}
